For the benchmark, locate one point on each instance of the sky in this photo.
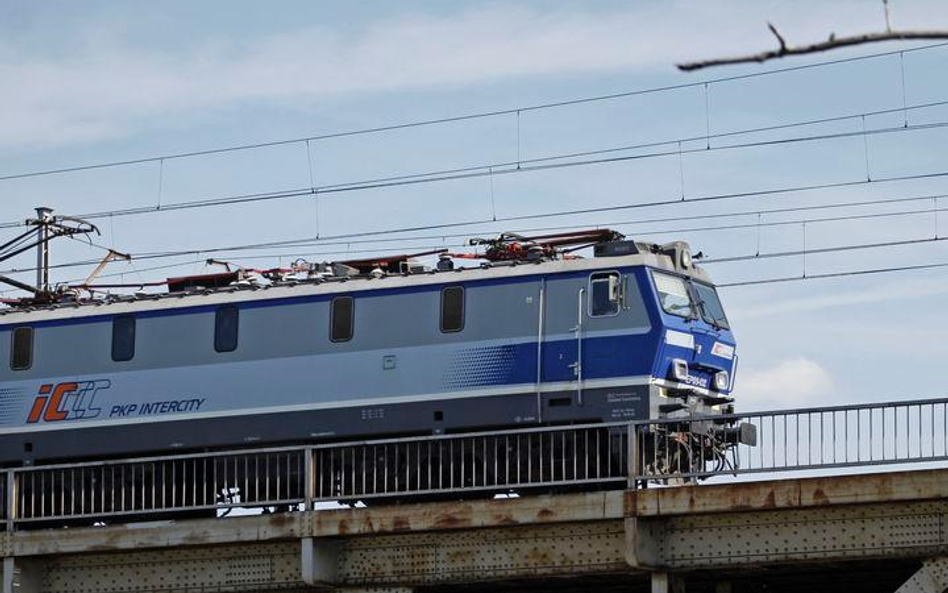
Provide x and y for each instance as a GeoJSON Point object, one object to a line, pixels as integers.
{"type": "Point", "coordinates": [97, 82]}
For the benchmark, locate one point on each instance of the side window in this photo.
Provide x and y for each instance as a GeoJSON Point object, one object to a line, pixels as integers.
{"type": "Point", "coordinates": [452, 309]}
{"type": "Point", "coordinates": [21, 352]}
{"type": "Point", "coordinates": [226, 322]}
{"type": "Point", "coordinates": [123, 338]}
{"type": "Point", "coordinates": [341, 313]}
{"type": "Point", "coordinates": [605, 294]}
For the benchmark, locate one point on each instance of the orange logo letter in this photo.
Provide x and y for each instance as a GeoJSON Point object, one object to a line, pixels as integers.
{"type": "Point", "coordinates": [53, 413]}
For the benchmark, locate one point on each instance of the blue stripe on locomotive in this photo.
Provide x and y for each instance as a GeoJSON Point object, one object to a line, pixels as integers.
{"type": "Point", "coordinates": [513, 364]}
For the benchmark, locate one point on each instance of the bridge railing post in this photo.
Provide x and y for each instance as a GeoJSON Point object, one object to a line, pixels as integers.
{"type": "Point", "coordinates": [309, 478]}
{"type": "Point", "coordinates": [9, 501]}
{"type": "Point", "coordinates": [633, 454]}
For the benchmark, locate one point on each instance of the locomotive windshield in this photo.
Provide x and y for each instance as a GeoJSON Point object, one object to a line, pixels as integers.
{"type": "Point", "coordinates": [711, 309]}
{"type": "Point", "coordinates": [677, 298]}
{"type": "Point", "coordinates": [673, 294]}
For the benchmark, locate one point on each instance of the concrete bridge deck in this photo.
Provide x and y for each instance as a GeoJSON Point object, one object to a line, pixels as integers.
{"type": "Point", "coordinates": [870, 532]}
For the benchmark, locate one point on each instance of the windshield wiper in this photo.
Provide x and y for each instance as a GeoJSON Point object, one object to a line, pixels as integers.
{"type": "Point", "coordinates": [718, 322]}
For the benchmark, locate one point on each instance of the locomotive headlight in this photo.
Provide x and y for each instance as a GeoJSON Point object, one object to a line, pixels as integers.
{"type": "Point", "coordinates": [685, 258]}
{"type": "Point", "coordinates": [721, 380]}
{"type": "Point", "coordinates": [679, 369]}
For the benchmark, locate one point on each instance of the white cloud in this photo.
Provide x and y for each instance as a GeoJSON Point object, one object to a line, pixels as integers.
{"type": "Point", "coordinates": [110, 87]}
{"type": "Point", "coordinates": [790, 383]}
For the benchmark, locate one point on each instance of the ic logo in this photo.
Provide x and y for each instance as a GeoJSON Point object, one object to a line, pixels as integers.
{"type": "Point", "coordinates": [73, 400]}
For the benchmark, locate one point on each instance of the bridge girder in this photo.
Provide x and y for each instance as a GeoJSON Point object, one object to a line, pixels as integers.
{"type": "Point", "coordinates": [722, 529]}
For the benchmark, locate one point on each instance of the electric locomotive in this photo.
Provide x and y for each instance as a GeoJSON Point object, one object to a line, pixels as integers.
{"type": "Point", "coordinates": [530, 335]}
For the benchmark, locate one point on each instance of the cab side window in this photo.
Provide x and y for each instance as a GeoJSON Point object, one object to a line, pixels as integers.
{"type": "Point", "coordinates": [21, 350]}
{"type": "Point", "coordinates": [605, 294]}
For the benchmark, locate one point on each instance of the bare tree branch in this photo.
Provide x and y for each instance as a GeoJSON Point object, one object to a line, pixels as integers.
{"type": "Point", "coordinates": [832, 43]}
{"type": "Point", "coordinates": [783, 42]}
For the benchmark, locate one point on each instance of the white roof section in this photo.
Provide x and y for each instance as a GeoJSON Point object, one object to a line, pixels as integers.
{"type": "Point", "coordinates": [121, 304]}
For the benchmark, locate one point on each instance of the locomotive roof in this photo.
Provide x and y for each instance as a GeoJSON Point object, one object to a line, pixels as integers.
{"type": "Point", "coordinates": [247, 292]}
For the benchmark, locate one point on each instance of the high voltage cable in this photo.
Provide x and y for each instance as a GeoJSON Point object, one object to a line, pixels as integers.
{"type": "Point", "coordinates": [615, 223]}
{"type": "Point", "coordinates": [730, 259]}
{"type": "Point", "coordinates": [822, 250]}
{"type": "Point", "coordinates": [833, 275]}
{"type": "Point", "coordinates": [353, 186]}
{"type": "Point", "coordinates": [480, 171]}
{"type": "Point", "coordinates": [312, 242]}
{"type": "Point", "coordinates": [834, 249]}
{"type": "Point", "coordinates": [180, 264]}
{"type": "Point", "coordinates": [500, 167]}
{"type": "Point", "coordinates": [271, 256]}
{"type": "Point", "coordinates": [762, 281]}
{"type": "Point", "coordinates": [754, 225]}
{"type": "Point", "coordinates": [747, 257]}
{"type": "Point", "coordinates": [616, 208]}
{"type": "Point", "coordinates": [795, 253]}
{"type": "Point", "coordinates": [466, 117]}
{"type": "Point", "coordinates": [750, 225]}
{"type": "Point", "coordinates": [303, 243]}
{"type": "Point", "coordinates": [357, 186]}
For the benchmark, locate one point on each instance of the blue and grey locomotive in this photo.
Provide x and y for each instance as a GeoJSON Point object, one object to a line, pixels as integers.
{"type": "Point", "coordinates": [323, 352]}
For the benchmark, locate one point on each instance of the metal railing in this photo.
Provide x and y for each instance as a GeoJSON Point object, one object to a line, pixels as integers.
{"type": "Point", "coordinates": [792, 440]}
{"type": "Point", "coordinates": [494, 461]}
{"type": "Point", "coordinates": [284, 478]}
{"type": "Point", "coordinates": [613, 455]}
{"type": "Point", "coordinates": [158, 485]}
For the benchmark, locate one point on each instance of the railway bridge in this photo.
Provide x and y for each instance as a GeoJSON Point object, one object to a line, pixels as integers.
{"type": "Point", "coordinates": [584, 508]}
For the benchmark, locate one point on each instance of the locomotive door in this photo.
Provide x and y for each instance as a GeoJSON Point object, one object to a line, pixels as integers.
{"type": "Point", "coordinates": [577, 365]}
{"type": "Point", "coordinates": [561, 327]}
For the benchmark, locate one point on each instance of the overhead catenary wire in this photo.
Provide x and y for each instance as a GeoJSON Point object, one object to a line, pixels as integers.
{"type": "Point", "coordinates": [317, 242]}
{"type": "Point", "coordinates": [619, 207]}
{"type": "Point", "coordinates": [515, 166]}
{"type": "Point", "coordinates": [192, 262]}
{"type": "Point", "coordinates": [643, 233]}
{"type": "Point", "coordinates": [822, 250]}
{"type": "Point", "coordinates": [470, 116]}
{"type": "Point", "coordinates": [269, 256]}
{"type": "Point", "coordinates": [757, 225]}
{"type": "Point", "coordinates": [842, 274]}
{"type": "Point", "coordinates": [538, 164]}
{"type": "Point", "coordinates": [745, 257]}
{"type": "Point", "coordinates": [749, 283]}
{"type": "Point", "coordinates": [834, 249]}
{"type": "Point", "coordinates": [705, 261]}
{"type": "Point", "coordinates": [385, 235]}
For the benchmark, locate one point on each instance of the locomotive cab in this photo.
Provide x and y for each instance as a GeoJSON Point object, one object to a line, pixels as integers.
{"type": "Point", "coordinates": [691, 343]}
{"type": "Point", "coordinates": [698, 351]}
{"type": "Point", "coordinates": [697, 358]}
